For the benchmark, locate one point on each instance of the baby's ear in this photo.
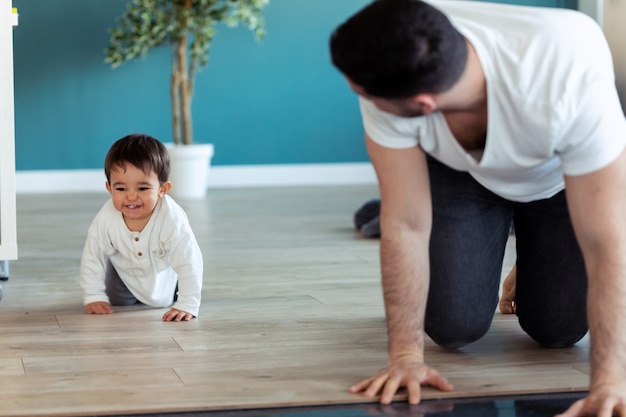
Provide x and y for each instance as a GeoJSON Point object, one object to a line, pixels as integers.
{"type": "Point", "coordinates": [165, 188]}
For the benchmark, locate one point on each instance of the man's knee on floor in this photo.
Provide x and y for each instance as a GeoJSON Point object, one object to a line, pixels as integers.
{"type": "Point", "coordinates": [553, 336]}
{"type": "Point", "coordinates": [558, 340]}
{"type": "Point", "coordinates": [456, 336]}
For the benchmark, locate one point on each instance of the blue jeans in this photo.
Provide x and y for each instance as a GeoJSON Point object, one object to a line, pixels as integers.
{"type": "Point", "coordinates": [470, 230]}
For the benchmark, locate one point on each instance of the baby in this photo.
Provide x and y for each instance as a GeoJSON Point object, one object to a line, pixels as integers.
{"type": "Point", "coordinates": [140, 248]}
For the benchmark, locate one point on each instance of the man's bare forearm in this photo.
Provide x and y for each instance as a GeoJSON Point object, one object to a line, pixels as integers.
{"type": "Point", "coordinates": [405, 271]}
{"type": "Point", "coordinates": [597, 204]}
{"type": "Point", "coordinates": [607, 321]}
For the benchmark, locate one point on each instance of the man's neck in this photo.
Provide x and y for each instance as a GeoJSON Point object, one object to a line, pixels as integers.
{"type": "Point", "coordinates": [469, 94]}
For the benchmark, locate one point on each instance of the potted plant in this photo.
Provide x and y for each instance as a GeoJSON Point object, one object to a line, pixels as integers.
{"type": "Point", "coordinates": [188, 26]}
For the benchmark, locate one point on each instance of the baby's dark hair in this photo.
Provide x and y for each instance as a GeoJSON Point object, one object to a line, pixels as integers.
{"type": "Point", "coordinates": [143, 152]}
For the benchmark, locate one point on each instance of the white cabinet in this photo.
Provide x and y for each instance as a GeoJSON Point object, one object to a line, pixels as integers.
{"type": "Point", "coordinates": [8, 235]}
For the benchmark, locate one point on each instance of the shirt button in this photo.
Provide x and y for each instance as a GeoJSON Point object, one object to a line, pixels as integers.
{"type": "Point", "coordinates": [140, 254]}
{"type": "Point", "coordinates": [136, 239]}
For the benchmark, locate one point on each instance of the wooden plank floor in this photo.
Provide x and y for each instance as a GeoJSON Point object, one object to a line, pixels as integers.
{"type": "Point", "coordinates": [292, 315]}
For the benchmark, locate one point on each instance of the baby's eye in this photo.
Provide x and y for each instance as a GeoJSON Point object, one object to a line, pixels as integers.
{"type": "Point", "coordinates": [120, 189]}
{"type": "Point", "coordinates": [144, 188]}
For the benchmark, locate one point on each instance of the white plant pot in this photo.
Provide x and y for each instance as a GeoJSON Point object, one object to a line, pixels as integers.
{"type": "Point", "coordinates": [190, 170]}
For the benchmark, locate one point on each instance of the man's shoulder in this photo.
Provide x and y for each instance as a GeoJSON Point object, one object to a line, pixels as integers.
{"type": "Point", "coordinates": [512, 18]}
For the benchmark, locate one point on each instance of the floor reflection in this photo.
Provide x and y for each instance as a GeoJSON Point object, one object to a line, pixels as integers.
{"type": "Point", "coordinates": [540, 405]}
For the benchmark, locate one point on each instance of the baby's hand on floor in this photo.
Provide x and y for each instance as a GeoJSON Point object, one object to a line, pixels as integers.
{"type": "Point", "coordinates": [177, 315]}
{"type": "Point", "coordinates": [99, 307]}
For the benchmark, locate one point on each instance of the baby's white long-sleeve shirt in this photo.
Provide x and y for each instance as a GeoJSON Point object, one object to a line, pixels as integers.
{"type": "Point", "coordinates": [150, 262]}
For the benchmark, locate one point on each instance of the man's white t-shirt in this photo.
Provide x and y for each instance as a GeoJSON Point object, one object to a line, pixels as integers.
{"type": "Point", "coordinates": [553, 107]}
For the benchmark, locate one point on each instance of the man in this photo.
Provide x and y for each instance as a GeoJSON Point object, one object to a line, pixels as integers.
{"type": "Point", "coordinates": [477, 114]}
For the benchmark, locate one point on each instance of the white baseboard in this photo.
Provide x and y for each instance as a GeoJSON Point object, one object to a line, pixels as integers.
{"type": "Point", "coordinates": [233, 176]}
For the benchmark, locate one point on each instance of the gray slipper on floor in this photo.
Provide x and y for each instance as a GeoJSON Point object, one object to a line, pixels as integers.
{"type": "Point", "coordinates": [367, 220]}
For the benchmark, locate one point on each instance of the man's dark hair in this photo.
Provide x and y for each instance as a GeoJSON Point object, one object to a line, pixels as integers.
{"type": "Point", "coordinates": [399, 48]}
{"type": "Point", "coordinates": [143, 152]}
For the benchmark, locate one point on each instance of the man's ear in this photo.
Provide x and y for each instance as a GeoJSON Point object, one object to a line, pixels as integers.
{"type": "Point", "coordinates": [165, 188]}
{"type": "Point", "coordinates": [426, 102]}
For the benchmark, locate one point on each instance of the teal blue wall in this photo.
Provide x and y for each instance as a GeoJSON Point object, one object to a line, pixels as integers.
{"type": "Point", "coordinates": [275, 102]}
